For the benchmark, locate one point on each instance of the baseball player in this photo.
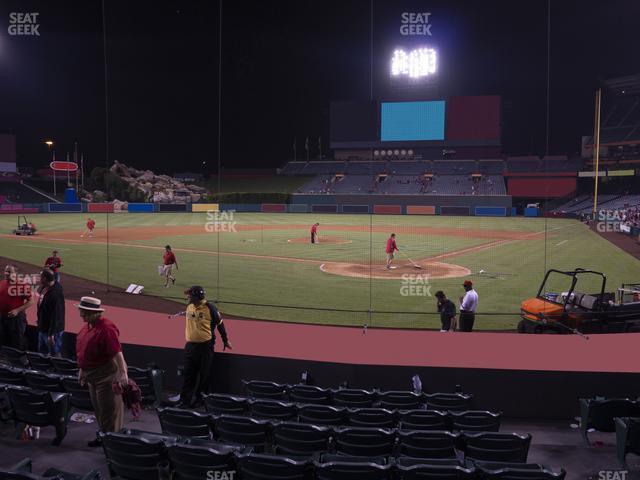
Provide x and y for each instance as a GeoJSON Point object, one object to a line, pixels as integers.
{"type": "Point", "coordinates": [391, 248]}
{"type": "Point", "coordinates": [91, 224]}
{"type": "Point", "coordinates": [314, 233]}
{"type": "Point", "coordinates": [53, 263]}
{"type": "Point", "coordinates": [169, 260]}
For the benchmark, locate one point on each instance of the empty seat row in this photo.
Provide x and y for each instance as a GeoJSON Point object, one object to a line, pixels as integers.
{"type": "Point", "coordinates": [23, 471]}
{"type": "Point", "coordinates": [351, 397]}
{"type": "Point", "coordinates": [38, 361]}
{"type": "Point", "coordinates": [302, 439]}
{"type": "Point", "coordinates": [476, 420]}
{"type": "Point", "coordinates": [134, 455]}
{"type": "Point", "coordinates": [599, 413]}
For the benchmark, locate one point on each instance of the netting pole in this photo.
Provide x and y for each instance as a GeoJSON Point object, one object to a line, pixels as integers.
{"type": "Point", "coordinates": [596, 152]}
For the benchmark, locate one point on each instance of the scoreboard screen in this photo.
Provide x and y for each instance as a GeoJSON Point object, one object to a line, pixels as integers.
{"type": "Point", "coordinates": [412, 121]}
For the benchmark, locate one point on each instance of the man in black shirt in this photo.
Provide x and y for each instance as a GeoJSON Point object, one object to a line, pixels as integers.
{"type": "Point", "coordinates": [447, 310]}
{"type": "Point", "coordinates": [50, 315]}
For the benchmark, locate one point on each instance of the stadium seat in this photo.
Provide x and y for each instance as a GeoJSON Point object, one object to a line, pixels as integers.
{"type": "Point", "coordinates": [353, 398]}
{"type": "Point", "coordinates": [149, 380]}
{"type": "Point", "coordinates": [427, 444]}
{"type": "Point", "coordinates": [11, 375]}
{"type": "Point", "coordinates": [272, 410]}
{"type": "Point", "coordinates": [353, 470]}
{"type": "Point", "coordinates": [599, 413]}
{"type": "Point", "coordinates": [475, 421]}
{"type": "Point", "coordinates": [185, 423]}
{"type": "Point", "coordinates": [38, 361]}
{"type": "Point", "coordinates": [221, 404]}
{"type": "Point", "coordinates": [14, 357]}
{"type": "Point", "coordinates": [64, 366]}
{"type": "Point", "coordinates": [496, 447]}
{"type": "Point", "coordinates": [242, 430]}
{"type": "Point", "coordinates": [410, 461]}
{"type": "Point", "coordinates": [80, 397]}
{"type": "Point", "coordinates": [39, 408]}
{"type": "Point", "coordinates": [627, 437]}
{"type": "Point", "coordinates": [369, 442]}
{"type": "Point", "coordinates": [268, 390]}
{"type": "Point", "coordinates": [300, 439]}
{"type": "Point", "coordinates": [23, 471]}
{"type": "Point", "coordinates": [400, 400]}
{"type": "Point", "coordinates": [309, 394]}
{"type": "Point", "coordinates": [133, 457]}
{"type": "Point", "coordinates": [371, 417]}
{"type": "Point", "coordinates": [435, 472]}
{"type": "Point", "coordinates": [515, 471]}
{"type": "Point", "coordinates": [448, 401]}
{"type": "Point", "coordinates": [43, 381]}
{"type": "Point", "coordinates": [423, 420]}
{"type": "Point", "coordinates": [322, 414]}
{"type": "Point", "coordinates": [255, 466]}
{"type": "Point", "coordinates": [336, 457]}
{"type": "Point", "coordinates": [193, 462]}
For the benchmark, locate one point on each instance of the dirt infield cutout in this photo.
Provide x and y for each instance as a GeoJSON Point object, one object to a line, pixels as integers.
{"type": "Point", "coordinates": [324, 240]}
{"type": "Point", "coordinates": [358, 270]}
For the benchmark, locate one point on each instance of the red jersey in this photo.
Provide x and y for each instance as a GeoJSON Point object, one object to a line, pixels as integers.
{"type": "Point", "coordinates": [314, 229]}
{"type": "Point", "coordinates": [13, 295]}
{"type": "Point", "coordinates": [391, 245]}
{"type": "Point", "coordinates": [96, 346]}
{"type": "Point", "coordinates": [168, 258]}
{"type": "Point", "coordinates": [91, 224]}
{"type": "Point", "coordinates": [54, 263]}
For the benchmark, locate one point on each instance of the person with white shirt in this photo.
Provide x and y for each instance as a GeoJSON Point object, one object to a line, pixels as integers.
{"type": "Point", "coordinates": [468, 307]}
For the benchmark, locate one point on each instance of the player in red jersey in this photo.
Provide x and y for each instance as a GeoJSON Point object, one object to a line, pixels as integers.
{"type": "Point", "coordinates": [314, 233]}
{"type": "Point", "coordinates": [91, 224]}
{"type": "Point", "coordinates": [168, 261]}
{"type": "Point", "coordinates": [53, 263]}
{"type": "Point", "coordinates": [391, 248]}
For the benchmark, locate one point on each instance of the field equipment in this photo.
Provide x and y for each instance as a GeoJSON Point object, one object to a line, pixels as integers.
{"type": "Point", "coordinates": [413, 264]}
{"type": "Point", "coordinates": [572, 311]}
{"type": "Point", "coordinates": [24, 227]}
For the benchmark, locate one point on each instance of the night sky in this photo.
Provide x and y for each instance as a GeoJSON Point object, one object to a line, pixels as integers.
{"type": "Point", "coordinates": [283, 63]}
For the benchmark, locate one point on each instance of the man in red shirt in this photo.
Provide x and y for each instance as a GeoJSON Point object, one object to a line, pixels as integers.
{"type": "Point", "coordinates": [314, 233]}
{"type": "Point", "coordinates": [101, 365]}
{"type": "Point", "coordinates": [91, 224]}
{"type": "Point", "coordinates": [15, 298]}
{"type": "Point", "coordinates": [53, 263]}
{"type": "Point", "coordinates": [168, 261]}
{"type": "Point", "coordinates": [391, 248]}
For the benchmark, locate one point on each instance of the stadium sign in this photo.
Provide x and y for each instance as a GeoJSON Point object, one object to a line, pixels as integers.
{"type": "Point", "coordinates": [420, 62]}
{"type": "Point", "coordinates": [63, 166]}
{"type": "Point", "coordinates": [412, 23]}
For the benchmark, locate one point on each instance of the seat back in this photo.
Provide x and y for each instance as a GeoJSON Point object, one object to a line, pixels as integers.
{"type": "Point", "coordinates": [369, 442]}
{"type": "Point", "coordinates": [14, 357]}
{"type": "Point", "coordinates": [192, 462]}
{"type": "Point", "coordinates": [496, 447]}
{"type": "Point", "coordinates": [221, 404]}
{"type": "Point", "coordinates": [11, 375]}
{"type": "Point", "coordinates": [602, 412]}
{"type": "Point", "coordinates": [428, 444]}
{"type": "Point", "coordinates": [34, 407]}
{"type": "Point", "coordinates": [132, 457]}
{"type": "Point", "coordinates": [187, 423]}
{"type": "Point", "coordinates": [423, 420]}
{"type": "Point", "coordinates": [299, 439]}
{"type": "Point", "coordinates": [475, 421]}
{"type": "Point", "coordinates": [256, 466]}
{"type": "Point", "coordinates": [410, 461]}
{"type": "Point", "coordinates": [400, 400]}
{"type": "Point", "coordinates": [353, 398]}
{"type": "Point", "coordinates": [371, 417]}
{"type": "Point", "coordinates": [448, 401]}
{"type": "Point", "coordinates": [149, 380]}
{"type": "Point", "coordinates": [272, 409]}
{"type": "Point", "coordinates": [514, 473]}
{"type": "Point", "coordinates": [79, 394]}
{"type": "Point", "coordinates": [322, 414]}
{"type": "Point", "coordinates": [436, 472]}
{"type": "Point", "coordinates": [268, 390]}
{"type": "Point", "coordinates": [243, 430]}
{"type": "Point", "coordinates": [353, 470]}
{"type": "Point", "coordinates": [38, 361]}
{"type": "Point", "coordinates": [43, 381]}
{"type": "Point", "coordinates": [309, 394]}
{"type": "Point", "coordinates": [64, 366]}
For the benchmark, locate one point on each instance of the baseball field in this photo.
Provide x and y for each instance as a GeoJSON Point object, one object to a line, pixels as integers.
{"type": "Point", "coordinates": [262, 265]}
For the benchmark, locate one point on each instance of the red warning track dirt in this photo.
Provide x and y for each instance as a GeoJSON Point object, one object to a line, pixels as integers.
{"type": "Point", "coordinates": [324, 240]}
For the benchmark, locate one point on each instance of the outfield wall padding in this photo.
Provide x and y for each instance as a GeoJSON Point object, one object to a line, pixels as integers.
{"type": "Point", "coordinates": [355, 209]}
{"type": "Point", "coordinates": [451, 210]}
{"type": "Point", "coordinates": [387, 209]}
{"type": "Point", "coordinates": [100, 208]}
{"type": "Point", "coordinates": [141, 208]}
{"type": "Point", "coordinates": [297, 208]}
{"type": "Point", "coordinates": [421, 210]}
{"type": "Point", "coordinates": [491, 212]}
{"type": "Point", "coordinates": [18, 208]}
{"type": "Point", "coordinates": [241, 207]}
{"type": "Point", "coordinates": [274, 208]}
{"type": "Point", "coordinates": [324, 208]}
{"type": "Point", "coordinates": [65, 208]}
{"type": "Point", "coordinates": [172, 207]}
{"type": "Point", "coordinates": [205, 207]}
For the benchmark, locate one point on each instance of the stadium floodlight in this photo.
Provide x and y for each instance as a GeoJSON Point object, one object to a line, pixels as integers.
{"type": "Point", "coordinates": [389, 152]}
{"type": "Point", "coordinates": [396, 152]}
{"type": "Point", "coordinates": [383, 153]}
{"type": "Point", "coordinates": [403, 152]}
{"type": "Point", "coordinates": [410, 152]}
{"type": "Point", "coordinates": [417, 63]}
{"type": "Point", "coordinates": [376, 153]}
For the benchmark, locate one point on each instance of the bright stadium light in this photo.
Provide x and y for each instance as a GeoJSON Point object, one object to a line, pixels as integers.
{"type": "Point", "coordinates": [417, 63]}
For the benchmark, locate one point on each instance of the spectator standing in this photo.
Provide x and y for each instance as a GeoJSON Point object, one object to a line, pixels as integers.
{"type": "Point", "coordinates": [15, 298]}
{"type": "Point", "coordinates": [53, 263]}
{"type": "Point", "coordinates": [101, 365]}
{"type": "Point", "coordinates": [468, 307]}
{"type": "Point", "coordinates": [447, 310]}
{"type": "Point", "coordinates": [51, 311]}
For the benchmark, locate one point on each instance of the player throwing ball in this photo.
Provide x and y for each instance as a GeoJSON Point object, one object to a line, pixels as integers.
{"type": "Point", "coordinates": [314, 233]}
{"type": "Point", "coordinates": [91, 224]}
{"type": "Point", "coordinates": [391, 248]}
{"type": "Point", "coordinates": [168, 261]}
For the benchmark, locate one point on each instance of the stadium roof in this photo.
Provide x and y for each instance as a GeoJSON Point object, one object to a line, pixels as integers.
{"type": "Point", "coordinates": [629, 85]}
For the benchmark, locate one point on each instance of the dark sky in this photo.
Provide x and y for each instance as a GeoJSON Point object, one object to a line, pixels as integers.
{"type": "Point", "coordinates": [283, 63]}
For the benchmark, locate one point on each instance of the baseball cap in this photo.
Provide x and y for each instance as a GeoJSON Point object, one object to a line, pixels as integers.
{"type": "Point", "coordinates": [468, 283]}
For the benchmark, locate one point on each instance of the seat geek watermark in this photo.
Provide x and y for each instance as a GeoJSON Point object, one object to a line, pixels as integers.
{"type": "Point", "coordinates": [611, 475]}
{"type": "Point", "coordinates": [611, 221]}
{"type": "Point", "coordinates": [22, 285]}
{"type": "Point", "coordinates": [24, 24]}
{"type": "Point", "coordinates": [221, 475]}
{"type": "Point", "coordinates": [415, 285]}
{"type": "Point", "coordinates": [220, 221]}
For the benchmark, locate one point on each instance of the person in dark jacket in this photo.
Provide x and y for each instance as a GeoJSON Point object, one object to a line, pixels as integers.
{"type": "Point", "coordinates": [447, 310]}
{"type": "Point", "coordinates": [50, 314]}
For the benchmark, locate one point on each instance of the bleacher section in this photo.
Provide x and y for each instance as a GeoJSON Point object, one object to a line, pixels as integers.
{"type": "Point", "coordinates": [584, 204]}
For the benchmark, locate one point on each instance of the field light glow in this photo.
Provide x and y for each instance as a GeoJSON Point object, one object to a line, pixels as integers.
{"type": "Point", "coordinates": [417, 63]}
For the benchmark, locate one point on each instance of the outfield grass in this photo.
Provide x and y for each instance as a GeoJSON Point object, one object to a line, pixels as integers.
{"type": "Point", "coordinates": [512, 271]}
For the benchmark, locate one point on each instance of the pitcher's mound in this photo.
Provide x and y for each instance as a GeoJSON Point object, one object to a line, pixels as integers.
{"type": "Point", "coordinates": [324, 240]}
{"type": "Point", "coordinates": [432, 269]}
